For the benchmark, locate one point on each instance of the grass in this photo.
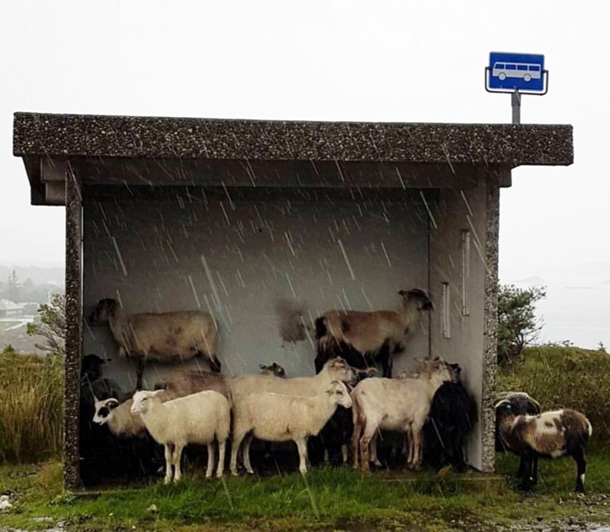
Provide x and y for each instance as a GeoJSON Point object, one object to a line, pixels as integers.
{"type": "Point", "coordinates": [327, 499]}
{"type": "Point", "coordinates": [31, 399]}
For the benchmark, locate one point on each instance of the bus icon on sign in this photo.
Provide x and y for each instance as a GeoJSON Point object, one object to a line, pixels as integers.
{"type": "Point", "coordinates": [525, 71]}
{"type": "Point", "coordinates": [509, 72]}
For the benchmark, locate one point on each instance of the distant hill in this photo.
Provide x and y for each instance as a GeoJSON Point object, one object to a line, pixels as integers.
{"type": "Point", "coordinates": [38, 274]}
{"type": "Point", "coordinates": [587, 269]}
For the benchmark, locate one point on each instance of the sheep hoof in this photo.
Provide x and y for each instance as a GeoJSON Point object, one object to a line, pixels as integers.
{"type": "Point", "coordinates": [377, 463]}
{"type": "Point", "coordinates": [167, 480]}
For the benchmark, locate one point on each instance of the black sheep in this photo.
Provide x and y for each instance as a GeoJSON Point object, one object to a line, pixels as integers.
{"type": "Point", "coordinates": [452, 416]}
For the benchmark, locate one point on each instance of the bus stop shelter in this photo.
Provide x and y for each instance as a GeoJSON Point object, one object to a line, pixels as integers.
{"type": "Point", "coordinates": [267, 224]}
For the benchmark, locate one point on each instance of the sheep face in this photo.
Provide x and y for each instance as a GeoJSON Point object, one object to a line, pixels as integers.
{"type": "Point", "coordinates": [142, 400]}
{"type": "Point", "coordinates": [103, 410]}
{"type": "Point", "coordinates": [521, 403]}
{"type": "Point", "coordinates": [104, 310]}
{"type": "Point", "coordinates": [273, 369]}
{"type": "Point", "coordinates": [439, 370]}
{"type": "Point", "coordinates": [419, 297]}
{"type": "Point", "coordinates": [339, 394]}
{"type": "Point", "coordinates": [339, 370]}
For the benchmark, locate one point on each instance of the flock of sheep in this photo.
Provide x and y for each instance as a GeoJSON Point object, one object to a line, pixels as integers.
{"type": "Point", "coordinates": [342, 403]}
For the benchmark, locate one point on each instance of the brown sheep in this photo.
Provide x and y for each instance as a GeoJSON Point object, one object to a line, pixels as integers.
{"type": "Point", "coordinates": [361, 337]}
{"type": "Point", "coordinates": [168, 337]}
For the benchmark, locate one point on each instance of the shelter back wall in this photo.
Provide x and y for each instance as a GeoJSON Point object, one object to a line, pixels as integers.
{"type": "Point", "coordinates": [260, 266]}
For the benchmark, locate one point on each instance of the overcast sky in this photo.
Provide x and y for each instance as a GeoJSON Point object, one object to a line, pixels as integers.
{"type": "Point", "coordinates": [400, 61]}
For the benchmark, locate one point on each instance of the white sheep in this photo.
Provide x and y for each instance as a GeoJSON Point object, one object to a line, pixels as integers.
{"type": "Point", "coordinates": [199, 418]}
{"type": "Point", "coordinates": [166, 337]}
{"type": "Point", "coordinates": [362, 337]}
{"type": "Point", "coordinates": [335, 369]}
{"type": "Point", "coordinates": [395, 404]}
{"type": "Point", "coordinates": [281, 417]}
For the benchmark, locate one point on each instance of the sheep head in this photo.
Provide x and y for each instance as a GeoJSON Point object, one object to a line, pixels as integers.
{"type": "Point", "coordinates": [339, 394]}
{"type": "Point", "coordinates": [417, 297]}
{"type": "Point", "coordinates": [103, 409]}
{"type": "Point", "coordinates": [104, 310]}
{"type": "Point", "coordinates": [439, 370]}
{"type": "Point", "coordinates": [340, 370]}
{"type": "Point", "coordinates": [273, 369]}
{"type": "Point", "coordinates": [521, 402]}
{"type": "Point", "coordinates": [142, 401]}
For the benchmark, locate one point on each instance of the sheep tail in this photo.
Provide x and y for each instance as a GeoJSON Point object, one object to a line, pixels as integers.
{"type": "Point", "coordinates": [588, 427]}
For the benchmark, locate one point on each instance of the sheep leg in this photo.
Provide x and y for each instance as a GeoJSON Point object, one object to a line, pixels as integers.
{"type": "Point", "coordinates": [374, 458]}
{"type": "Point", "coordinates": [345, 452]}
{"type": "Point", "coordinates": [386, 361]}
{"type": "Point", "coordinates": [526, 471]}
{"type": "Point", "coordinates": [237, 439]}
{"type": "Point", "coordinates": [214, 363]}
{"type": "Point", "coordinates": [369, 434]}
{"type": "Point", "coordinates": [221, 458]}
{"type": "Point", "coordinates": [246, 453]}
{"type": "Point", "coordinates": [416, 432]}
{"type": "Point", "coordinates": [355, 442]}
{"type": "Point", "coordinates": [168, 464]}
{"type": "Point", "coordinates": [410, 446]}
{"type": "Point", "coordinates": [177, 459]}
{"type": "Point", "coordinates": [302, 446]}
{"type": "Point", "coordinates": [319, 361]}
{"type": "Point", "coordinates": [534, 469]}
{"type": "Point", "coordinates": [579, 456]}
{"type": "Point", "coordinates": [210, 468]}
{"type": "Point", "coordinates": [140, 363]}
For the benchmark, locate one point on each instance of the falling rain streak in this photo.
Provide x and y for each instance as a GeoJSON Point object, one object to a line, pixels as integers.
{"type": "Point", "coordinates": [118, 252]}
{"type": "Point", "coordinates": [432, 220]}
{"type": "Point", "coordinates": [349, 266]}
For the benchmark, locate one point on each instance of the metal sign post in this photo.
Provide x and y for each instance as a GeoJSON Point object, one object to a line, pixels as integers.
{"type": "Point", "coordinates": [516, 74]}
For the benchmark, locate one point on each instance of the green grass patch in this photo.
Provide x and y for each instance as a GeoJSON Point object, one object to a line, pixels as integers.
{"type": "Point", "coordinates": [327, 499]}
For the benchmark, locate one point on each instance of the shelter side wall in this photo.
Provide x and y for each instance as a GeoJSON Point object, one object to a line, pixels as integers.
{"type": "Point", "coordinates": [458, 264]}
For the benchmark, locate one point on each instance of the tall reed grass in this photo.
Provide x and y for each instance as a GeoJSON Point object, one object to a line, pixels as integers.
{"type": "Point", "coordinates": [31, 404]}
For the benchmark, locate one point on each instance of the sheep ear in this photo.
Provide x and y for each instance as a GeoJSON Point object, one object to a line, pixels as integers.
{"type": "Point", "coordinates": [157, 392]}
{"type": "Point", "coordinates": [262, 366]}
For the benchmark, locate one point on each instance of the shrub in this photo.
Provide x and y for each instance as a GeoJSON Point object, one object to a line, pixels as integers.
{"type": "Point", "coordinates": [565, 377]}
{"type": "Point", "coordinates": [31, 405]}
{"type": "Point", "coordinates": [517, 322]}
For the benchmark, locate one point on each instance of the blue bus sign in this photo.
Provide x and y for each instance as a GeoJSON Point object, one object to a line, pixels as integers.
{"type": "Point", "coordinates": [508, 72]}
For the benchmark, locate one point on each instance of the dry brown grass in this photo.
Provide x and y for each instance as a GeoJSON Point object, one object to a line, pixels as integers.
{"type": "Point", "coordinates": [31, 403]}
